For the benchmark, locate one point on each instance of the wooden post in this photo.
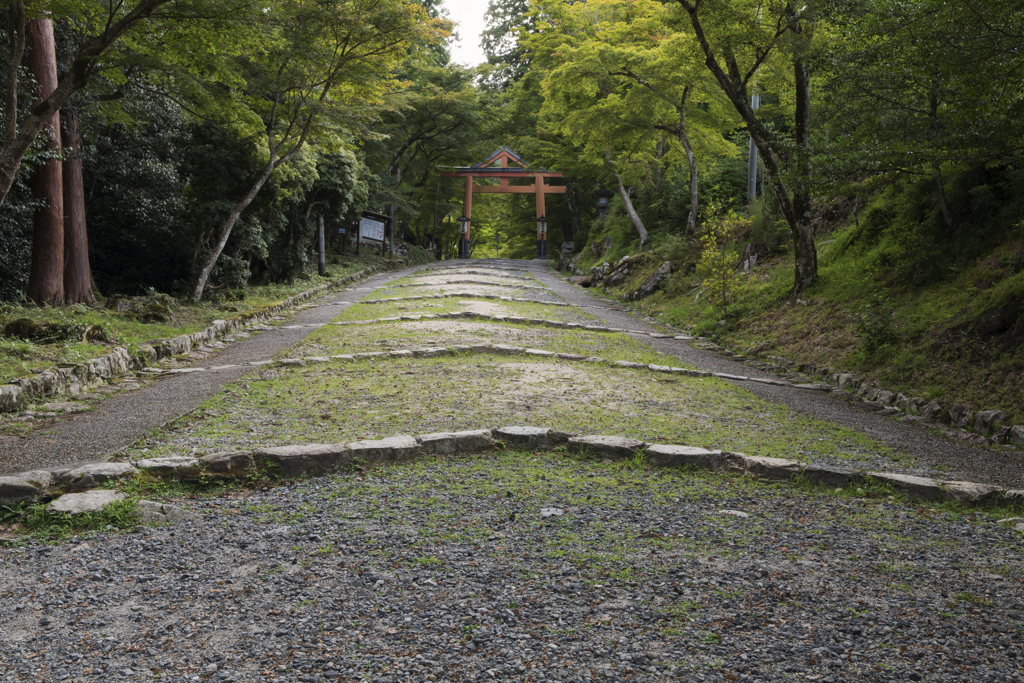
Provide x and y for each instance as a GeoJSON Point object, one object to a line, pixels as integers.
{"type": "Point", "coordinates": [321, 261]}
{"type": "Point", "coordinates": [542, 245]}
{"type": "Point", "coordinates": [467, 211]}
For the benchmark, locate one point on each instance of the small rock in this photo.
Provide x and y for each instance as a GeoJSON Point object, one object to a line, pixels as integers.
{"type": "Point", "coordinates": [960, 415]}
{"type": "Point", "coordinates": [986, 421]}
{"type": "Point", "coordinates": [153, 513]}
{"type": "Point", "coordinates": [89, 501]}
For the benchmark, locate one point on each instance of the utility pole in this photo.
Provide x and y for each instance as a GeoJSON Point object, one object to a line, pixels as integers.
{"type": "Point", "coordinates": [755, 104]}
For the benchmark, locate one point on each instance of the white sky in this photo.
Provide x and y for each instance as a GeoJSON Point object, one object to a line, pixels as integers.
{"type": "Point", "coordinates": [469, 15]}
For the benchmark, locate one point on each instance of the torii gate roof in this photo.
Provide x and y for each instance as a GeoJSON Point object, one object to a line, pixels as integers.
{"type": "Point", "coordinates": [507, 158]}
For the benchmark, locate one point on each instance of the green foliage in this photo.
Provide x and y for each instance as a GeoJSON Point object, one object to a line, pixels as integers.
{"type": "Point", "coordinates": [717, 264]}
{"type": "Point", "coordinates": [875, 326]}
{"type": "Point", "coordinates": [118, 516]}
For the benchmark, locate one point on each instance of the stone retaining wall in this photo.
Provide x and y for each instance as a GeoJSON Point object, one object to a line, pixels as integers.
{"type": "Point", "coordinates": [64, 379]}
{"type": "Point", "coordinates": [312, 460]}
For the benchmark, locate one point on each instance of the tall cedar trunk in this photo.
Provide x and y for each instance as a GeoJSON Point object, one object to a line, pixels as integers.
{"type": "Point", "coordinates": [77, 275]}
{"type": "Point", "coordinates": [46, 279]}
{"type": "Point", "coordinates": [803, 232]}
{"type": "Point", "coordinates": [633, 215]}
{"type": "Point", "coordinates": [691, 164]}
{"type": "Point", "coordinates": [78, 75]}
{"type": "Point", "coordinates": [16, 43]}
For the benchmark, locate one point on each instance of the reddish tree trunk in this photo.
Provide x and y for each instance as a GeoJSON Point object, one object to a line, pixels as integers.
{"type": "Point", "coordinates": [46, 279]}
{"type": "Point", "coordinates": [77, 275]}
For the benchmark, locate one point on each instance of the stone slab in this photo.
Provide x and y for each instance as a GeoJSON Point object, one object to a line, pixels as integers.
{"type": "Point", "coordinates": [229, 464]}
{"type": "Point", "coordinates": [384, 450]}
{"type": "Point", "coordinates": [88, 501]}
{"type": "Point", "coordinates": [152, 513]}
{"type": "Point", "coordinates": [24, 486]}
{"type": "Point", "coordinates": [431, 352]}
{"type": "Point", "coordinates": [445, 443]}
{"type": "Point", "coordinates": [970, 492]}
{"type": "Point", "coordinates": [180, 467]}
{"type": "Point", "coordinates": [766, 468]}
{"type": "Point", "coordinates": [529, 438]}
{"type": "Point", "coordinates": [922, 488]}
{"type": "Point", "coordinates": [669, 455]}
{"type": "Point", "coordinates": [91, 476]}
{"type": "Point", "coordinates": [831, 476]}
{"type": "Point", "coordinates": [507, 350]}
{"type": "Point", "coordinates": [616, 447]}
{"type": "Point", "coordinates": [294, 462]}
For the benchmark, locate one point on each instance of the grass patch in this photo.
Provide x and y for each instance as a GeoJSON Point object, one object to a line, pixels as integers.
{"type": "Point", "coordinates": [350, 401]}
{"type": "Point", "coordinates": [331, 339]}
{"type": "Point", "coordinates": [35, 521]}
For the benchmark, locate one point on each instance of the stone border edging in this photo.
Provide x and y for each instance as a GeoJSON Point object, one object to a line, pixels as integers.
{"type": "Point", "coordinates": [312, 460]}
{"type": "Point", "coordinates": [16, 393]}
{"type": "Point", "coordinates": [451, 283]}
{"type": "Point", "coordinates": [849, 387]}
{"type": "Point", "coordinates": [440, 351]}
{"type": "Point", "coordinates": [463, 295]}
{"type": "Point", "coordinates": [508, 319]}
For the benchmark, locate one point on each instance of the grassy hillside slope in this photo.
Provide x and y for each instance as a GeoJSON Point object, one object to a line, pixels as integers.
{"type": "Point", "coordinates": [904, 301]}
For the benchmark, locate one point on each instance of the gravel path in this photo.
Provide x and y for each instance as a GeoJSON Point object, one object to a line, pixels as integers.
{"type": "Point", "coordinates": [122, 419]}
{"type": "Point", "coordinates": [514, 566]}
{"type": "Point", "coordinates": [450, 571]}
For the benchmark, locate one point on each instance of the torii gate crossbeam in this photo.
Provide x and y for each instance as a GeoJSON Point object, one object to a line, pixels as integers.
{"type": "Point", "coordinates": [505, 173]}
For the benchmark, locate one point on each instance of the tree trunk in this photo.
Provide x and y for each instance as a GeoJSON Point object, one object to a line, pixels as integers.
{"type": "Point", "coordinates": [796, 210]}
{"type": "Point", "coordinates": [940, 188]}
{"type": "Point", "coordinates": [572, 198]}
{"type": "Point", "coordinates": [806, 255]}
{"type": "Point", "coordinates": [660, 151]}
{"type": "Point", "coordinates": [46, 279]}
{"type": "Point", "coordinates": [226, 227]}
{"type": "Point", "coordinates": [633, 215]}
{"type": "Point", "coordinates": [691, 164]}
{"type": "Point", "coordinates": [78, 75]}
{"type": "Point", "coordinates": [77, 275]}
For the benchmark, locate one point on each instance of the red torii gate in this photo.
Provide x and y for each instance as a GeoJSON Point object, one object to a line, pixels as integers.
{"type": "Point", "coordinates": [506, 172]}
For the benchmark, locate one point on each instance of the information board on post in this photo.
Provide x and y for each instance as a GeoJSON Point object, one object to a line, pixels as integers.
{"type": "Point", "coordinates": [371, 228]}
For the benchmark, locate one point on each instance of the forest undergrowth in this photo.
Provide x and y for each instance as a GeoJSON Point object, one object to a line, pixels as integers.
{"type": "Point", "coordinates": [903, 301]}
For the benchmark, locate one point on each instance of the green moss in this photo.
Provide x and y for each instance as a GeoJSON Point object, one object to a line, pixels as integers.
{"type": "Point", "coordinates": [346, 402]}
{"type": "Point", "coordinates": [332, 339]}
